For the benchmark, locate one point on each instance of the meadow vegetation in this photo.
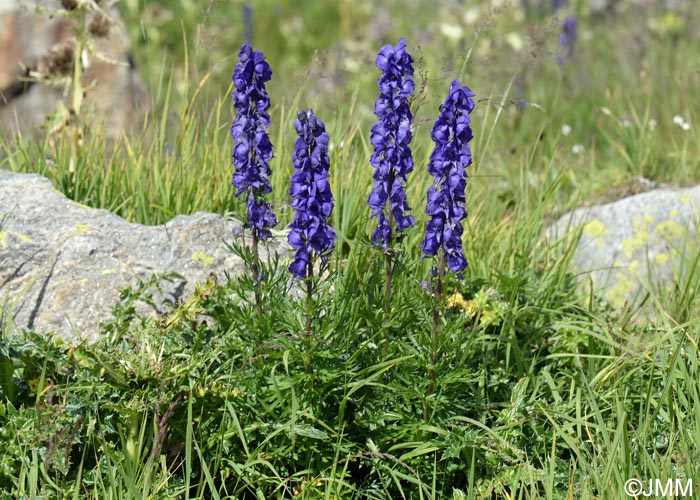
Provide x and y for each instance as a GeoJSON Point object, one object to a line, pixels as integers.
{"type": "Point", "coordinates": [539, 391]}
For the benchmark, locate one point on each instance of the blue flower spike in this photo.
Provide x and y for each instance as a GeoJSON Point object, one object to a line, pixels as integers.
{"type": "Point", "coordinates": [391, 136]}
{"type": "Point", "coordinates": [311, 195]}
{"type": "Point", "coordinates": [446, 205]}
{"type": "Point", "coordinates": [253, 149]}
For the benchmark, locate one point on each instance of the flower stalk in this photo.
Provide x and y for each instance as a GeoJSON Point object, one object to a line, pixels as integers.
{"type": "Point", "coordinates": [435, 334]}
{"type": "Point", "coordinates": [308, 333]}
{"type": "Point", "coordinates": [392, 159]}
{"type": "Point", "coordinates": [567, 40]}
{"type": "Point", "coordinates": [255, 271]}
{"type": "Point", "coordinates": [312, 200]}
{"type": "Point", "coordinates": [253, 151]}
{"type": "Point", "coordinates": [446, 205]}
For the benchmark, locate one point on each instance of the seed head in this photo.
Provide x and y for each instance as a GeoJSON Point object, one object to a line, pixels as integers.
{"type": "Point", "coordinates": [58, 61]}
{"type": "Point", "coordinates": [99, 26]}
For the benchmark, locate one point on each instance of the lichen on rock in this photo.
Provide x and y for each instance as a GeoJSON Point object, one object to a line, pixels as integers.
{"type": "Point", "coordinates": [635, 245]}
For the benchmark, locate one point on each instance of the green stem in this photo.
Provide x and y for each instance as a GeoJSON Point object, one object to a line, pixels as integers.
{"type": "Point", "coordinates": [309, 311]}
{"type": "Point", "coordinates": [435, 336]}
{"type": "Point", "coordinates": [387, 285]}
{"type": "Point", "coordinates": [389, 243]}
{"type": "Point", "coordinates": [389, 271]}
{"type": "Point", "coordinates": [255, 268]}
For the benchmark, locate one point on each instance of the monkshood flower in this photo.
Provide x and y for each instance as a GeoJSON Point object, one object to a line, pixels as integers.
{"type": "Point", "coordinates": [391, 136]}
{"type": "Point", "coordinates": [567, 38]}
{"type": "Point", "coordinates": [448, 163]}
{"type": "Point", "coordinates": [311, 195]}
{"type": "Point", "coordinates": [253, 149]}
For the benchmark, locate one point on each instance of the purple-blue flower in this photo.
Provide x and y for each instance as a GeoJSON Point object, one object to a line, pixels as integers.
{"type": "Point", "coordinates": [567, 38]}
{"type": "Point", "coordinates": [311, 194]}
{"type": "Point", "coordinates": [448, 163]}
{"type": "Point", "coordinates": [253, 149]}
{"type": "Point", "coordinates": [391, 136]}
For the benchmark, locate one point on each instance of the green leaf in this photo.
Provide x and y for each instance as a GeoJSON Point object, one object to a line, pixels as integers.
{"type": "Point", "coordinates": [7, 370]}
{"type": "Point", "coordinates": [309, 431]}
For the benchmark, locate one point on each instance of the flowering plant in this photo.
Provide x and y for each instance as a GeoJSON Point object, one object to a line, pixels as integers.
{"type": "Point", "coordinates": [311, 195]}
{"type": "Point", "coordinates": [448, 163]}
{"type": "Point", "coordinates": [567, 39]}
{"type": "Point", "coordinates": [253, 149]}
{"type": "Point", "coordinates": [391, 136]}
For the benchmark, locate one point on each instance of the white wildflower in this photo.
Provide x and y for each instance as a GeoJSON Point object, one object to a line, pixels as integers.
{"type": "Point", "coordinates": [515, 41]}
{"type": "Point", "coordinates": [577, 149]}
{"type": "Point", "coordinates": [452, 31]}
{"type": "Point", "coordinates": [565, 129]}
{"type": "Point", "coordinates": [471, 16]}
{"type": "Point", "coordinates": [680, 121]}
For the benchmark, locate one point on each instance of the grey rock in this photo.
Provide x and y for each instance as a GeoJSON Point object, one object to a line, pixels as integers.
{"type": "Point", "coordinates": [63, 264]}
{"type": "Point", "coordinates": [642, 243]}
{"type": "Point", "coordinates": [36, 56]}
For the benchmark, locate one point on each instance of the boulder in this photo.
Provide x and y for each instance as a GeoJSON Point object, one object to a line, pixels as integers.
{"type": "Point", "coordinates": [62, 264]}
{"type": "Point", "coordinates": [37, 43]}
{"type": "Point", "coordinates": [646, 242]}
